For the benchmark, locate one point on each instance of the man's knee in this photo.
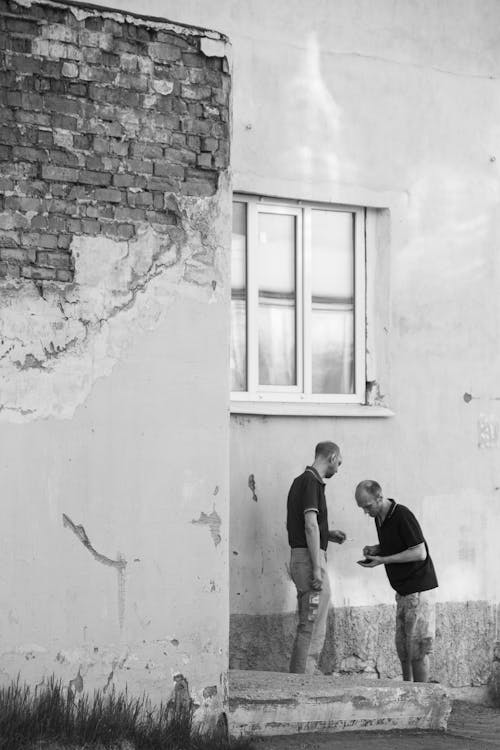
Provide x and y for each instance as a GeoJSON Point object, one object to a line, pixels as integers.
{"type": "Point", "coordinates": [421, 648]}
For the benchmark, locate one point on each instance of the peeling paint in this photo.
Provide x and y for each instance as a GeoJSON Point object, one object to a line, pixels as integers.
{"type": "Point", "coordinates": [251, 485]}
{"type": "Point", "coordinates": [120, 564]}
{"type": "Point", "coordinates": [213, 521]}
{"type": "Point", "coordinates": [54, 347]}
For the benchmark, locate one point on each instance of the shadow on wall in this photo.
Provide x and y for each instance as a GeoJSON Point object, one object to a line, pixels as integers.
{"type": "Point", "coordinates": [312, 122]}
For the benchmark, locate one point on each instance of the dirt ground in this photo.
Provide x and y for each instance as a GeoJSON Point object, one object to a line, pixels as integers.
{"type": "Point", "coordinates": [471, 727]}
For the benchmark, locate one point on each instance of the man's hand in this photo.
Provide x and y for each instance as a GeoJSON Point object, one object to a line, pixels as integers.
{"type": "Point", "coordinates": [373, 561]}
{"type": "Point", "coordinates": [337, 536]}
{"type": "Point", "coordinates": [317, 579]}
{"type": "Point", "coordinates": [373, 550]}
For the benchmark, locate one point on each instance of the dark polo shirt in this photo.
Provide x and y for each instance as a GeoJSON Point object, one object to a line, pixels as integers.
{"type": "Point", "coordinates": [399, 531]}
{"type": "Point", "coordinates": [306, 493]}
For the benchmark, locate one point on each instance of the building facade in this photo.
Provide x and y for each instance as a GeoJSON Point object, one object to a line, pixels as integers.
{"type": "Point", "coordinates": [138, 433]}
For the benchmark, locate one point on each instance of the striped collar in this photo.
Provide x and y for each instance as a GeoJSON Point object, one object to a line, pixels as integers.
{"type": "Point", "coordinates": [390, 512]}
{"type": "Point", "coordinates": [315, 474]}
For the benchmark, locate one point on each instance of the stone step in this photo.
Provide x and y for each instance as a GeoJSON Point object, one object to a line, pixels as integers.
{"type": "Point", "coordinates": [272, 703]}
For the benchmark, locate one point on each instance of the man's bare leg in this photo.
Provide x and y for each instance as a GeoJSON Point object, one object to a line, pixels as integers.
{"type": "Point", "coordinates": [406, 666]}
{"type": "Point", "coordinates": [420, 669]}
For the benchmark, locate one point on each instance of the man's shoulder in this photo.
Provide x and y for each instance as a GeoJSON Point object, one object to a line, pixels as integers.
{"type": "Point", "coordinates": [402, 510]}
{"type": "Point", "coordinates": [303, 481]}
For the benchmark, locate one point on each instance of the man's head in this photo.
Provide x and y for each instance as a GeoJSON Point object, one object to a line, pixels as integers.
{"type": "Point", "coordinates": [327, 458]}
{"type": "Point", "coordinates": [369, 497]}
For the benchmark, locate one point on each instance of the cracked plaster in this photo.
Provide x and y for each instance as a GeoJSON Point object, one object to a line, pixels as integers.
{"type": "Point", "coordinates": [57, 339]}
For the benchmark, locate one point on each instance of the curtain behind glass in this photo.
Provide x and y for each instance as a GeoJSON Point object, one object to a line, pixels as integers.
{"type": "Point", "coordinates": [277, 299]}
{"type": "Point", "coordinates": [332, 316]}
{"type": "Point", "coordinates": [238, 352]}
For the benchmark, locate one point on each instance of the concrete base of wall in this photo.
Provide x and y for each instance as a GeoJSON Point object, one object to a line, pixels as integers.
{"type": "Point", "coordinates": [360, 641]}
{"type": "Point", "coordinates": [272, 703]}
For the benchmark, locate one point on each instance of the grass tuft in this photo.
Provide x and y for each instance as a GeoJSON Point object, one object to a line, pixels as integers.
{"type": "Point", "coordinates": [52, 714]}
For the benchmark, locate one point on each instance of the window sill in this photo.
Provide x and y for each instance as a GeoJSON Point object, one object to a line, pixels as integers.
{"type": "Point", "coordinates": [308, 409]}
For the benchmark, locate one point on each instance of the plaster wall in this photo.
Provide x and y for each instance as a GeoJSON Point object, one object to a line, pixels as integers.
{"type": "Point", "coordinates": [394, 107]}
{"type": "Point", "coordinates": [114, 374]}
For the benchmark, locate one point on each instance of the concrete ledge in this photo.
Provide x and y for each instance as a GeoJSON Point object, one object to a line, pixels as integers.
{"type": "Point", "coordinates": [271, 703]}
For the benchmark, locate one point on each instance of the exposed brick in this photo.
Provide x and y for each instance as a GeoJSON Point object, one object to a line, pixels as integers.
{"type": "Point", "coordinates": [90, 226]}
{"type": "Point", "coordinates": [64, 276]}
{"type": "Point", "coordinates": [162, 184]}
{"type": "Point", "coordinates": [103, 119]}
{"type": "Point", "coordinates": [162, 217]}
{"type": "Point", "coordinates": [148, 150]}
{"type": "Point", "coordinates": [161, 51]}
{"type": "Point", "coordinates": [9, 238]}
{"type": "Point", "coordinates": [70, 70]}
{"type": "Point", "coordinates": [39, 274]}
{"type": "Point", "coordinates": [209, 144]}
{"type": "Point", "coordinates": [64, 241]}
{"type": "Point", "coordinates": [95, 73]}
{"type": "Point", "coordinates": [83, 142]}
{"type": "Point", "coordinates": [119, 231]}
{"type": "Point", "coordinates": [139, 199]}
{"type": "Point", "coordinates": [135, 82]}
{"type": "Point", "coordinates": [45, 138]}
{"type": "Point", "coordinates": [60, 32]}
{"type": "Point", "coordinates": [129, 180]}
{"type": "Point", "coordinates": [140, 166]}
{"type": "Point", "coordinates": [15, 254]}
{"type": "Point", "coordinates": [124, 213]}
{"type": "Point", "coordinates": [94, 178]}
{"type": "Point", "coordinates": [180, 156]}
{"type": "Point", "coordinates": [100, 39]}
{"type": "Point", "coordinates": [108, 195]}
{"type": "Point", "coordinates": [158, 201]}
{"type": "Point", "coordinates": [192, 60]}
{"type": "Point", "coordinates": [64, 105]}
{"type": "Point", "coordinates": [24, 65]}
{"type": "Point", "coordinates": [204, 160]}
{"type": "Point", "coordinates": [167, 169]}
{"type": "Point", "coordinates": [65, 122]}
{"type": "Point", "coordinates": [53, 260]}
{"type": "Point", "coordinates": [11, 270]}
{"type": "Point", "coordinates": [120, 148]}
{"type": "Point", "coordinates": [201, 188]}
{"type": "Point", "coordinates": [61, 174]}
{"type": "Point", "coordinates": [5, 153]}
{"type": "Point", "coordinates": [195, 92]}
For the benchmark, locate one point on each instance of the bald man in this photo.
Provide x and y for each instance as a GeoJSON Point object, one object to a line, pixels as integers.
{"type": "Point", "coordinates": [405, 554]}
{"type": "Point", "coordinates": [308, 536]}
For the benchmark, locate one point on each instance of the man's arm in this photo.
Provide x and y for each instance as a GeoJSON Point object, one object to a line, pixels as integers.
{"type": "Point", "coordinates": [337, 536]}
{"type": "Point", "coordinates": [412, 554]}
{"type": "Point", "coordinates": [312, 539]}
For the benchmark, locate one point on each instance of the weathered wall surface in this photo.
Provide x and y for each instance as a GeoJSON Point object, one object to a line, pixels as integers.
{"type": "Point", "coordinates": [115, 214]}
{"type": "Point", "coordinates": [360, 640]}
{"type": "Point", "coordinates": [396, 107]}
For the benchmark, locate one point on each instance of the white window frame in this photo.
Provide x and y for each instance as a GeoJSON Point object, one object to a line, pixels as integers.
{"type": "Point", "coordinates": [270, 399]}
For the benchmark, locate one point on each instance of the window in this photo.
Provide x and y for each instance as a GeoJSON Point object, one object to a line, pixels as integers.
{"type": "Point", "coordinates": [297, 302]}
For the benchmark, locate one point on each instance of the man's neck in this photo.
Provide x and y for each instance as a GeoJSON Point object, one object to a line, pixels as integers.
{"type": "Point", "coordinates": [319, 469]}
{"type": "Point", "coordinates": [384, 510]}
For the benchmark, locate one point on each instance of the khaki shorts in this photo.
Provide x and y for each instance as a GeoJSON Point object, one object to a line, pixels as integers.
{"type": "Point", "coordinates": [415, 624]}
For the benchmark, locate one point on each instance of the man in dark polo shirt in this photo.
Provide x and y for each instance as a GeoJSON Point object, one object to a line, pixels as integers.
{"type": "Point", "coordinates": [308, 536]}
{"type": "Point", "coordinates": [405, 554]}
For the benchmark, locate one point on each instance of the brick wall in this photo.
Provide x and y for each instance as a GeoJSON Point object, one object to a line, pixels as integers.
{"type": "Point", "coordinates": [105, 118]}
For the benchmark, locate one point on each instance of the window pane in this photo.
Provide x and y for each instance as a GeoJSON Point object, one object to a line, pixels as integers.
{"type": "Point", "coordinates": [238, 355]}
{"type": "Point", "coordinates": [277, 299]}
{"type": "Point", "coordinates": [332, 319]}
